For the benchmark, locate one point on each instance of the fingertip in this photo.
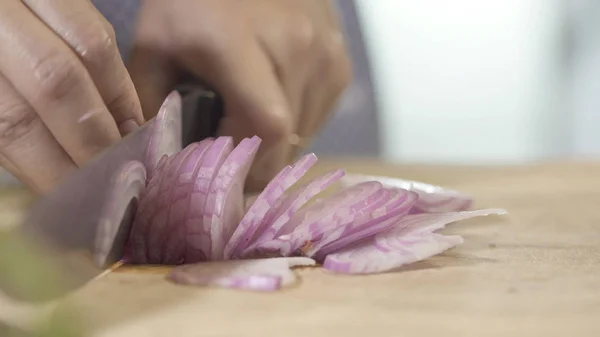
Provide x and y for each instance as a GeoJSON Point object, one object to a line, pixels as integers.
{"type": "Point", "coordinates": [278, 122]}
{"type": "Point", "coordinates": [128, 127]}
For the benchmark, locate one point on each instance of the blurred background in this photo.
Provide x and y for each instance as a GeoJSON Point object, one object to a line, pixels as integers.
{"type": "Point", "coordinates": [471, 81]}
{"type": "Point", "coordinates": [468, 82]}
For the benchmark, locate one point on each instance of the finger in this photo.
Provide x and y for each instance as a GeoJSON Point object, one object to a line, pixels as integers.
{"type": "Point", "coordinates": [153, 76]}
{"type": "Point", "coordinates": [331, 73]}
{"type": "Point", "coordinates": [93, 39]}
{"type": "Point", "coordinates": [54, 82]}
{"type": "Point", "coordinates": [331, 77]}
{"type": "Point", "coordinates": [254, 100]}
{"type": "Point", "coordinates": [255, 103]}
{"type": "Point", "coordinates": [27, 148]}
{"type": "Point", "coordinates": [290, 53]}
{"type": "Point", "coordinates": [289, 50]}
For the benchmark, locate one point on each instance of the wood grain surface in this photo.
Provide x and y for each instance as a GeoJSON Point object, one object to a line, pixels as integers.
{"type": "Point", "coordinates": [534, 272]}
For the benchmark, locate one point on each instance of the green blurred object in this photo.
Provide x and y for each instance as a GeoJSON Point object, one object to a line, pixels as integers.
{"type": "Point", "coordinates": [24, 271]}
{"type": "Point", "coordinates": [61, 325]}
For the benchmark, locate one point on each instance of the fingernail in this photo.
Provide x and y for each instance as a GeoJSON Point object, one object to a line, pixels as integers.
{"type": "Point", "coordinates": [128, 127]}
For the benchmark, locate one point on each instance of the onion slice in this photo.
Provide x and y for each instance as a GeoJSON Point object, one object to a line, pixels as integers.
{"type": "Point", "coordinates": [432, 199]}
{"type": "Point", "coordinates": [412, 239]}
{"type": "Point", "coordinates": [172, 252]}
{"type": "Point", "coordinates": [259, 209]}
{"type": "Point", "coordinates": [370, 224]}
{"type": "Point", "coordinates": [197, 227]}
{"type": "Point", "coordinates": [165, 137]}
{"type": "Point", "coordinates": [309, 224]}
{"type": "Point", "coordinates": [256, 212]}
{"type": "Point", "coordinates": [118, 210]}
{"type": "Point", "coordinates": [257, 275]}
{"type": "Point", "coordinates": [157, 228]}
{"type": "Point", "coordinates": [287, 205]}
{"type": "Point", "coordinates": [225, 202]}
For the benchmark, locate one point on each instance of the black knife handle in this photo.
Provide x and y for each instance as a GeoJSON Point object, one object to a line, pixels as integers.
{"type": "Point", "coordinates": [202, 112]}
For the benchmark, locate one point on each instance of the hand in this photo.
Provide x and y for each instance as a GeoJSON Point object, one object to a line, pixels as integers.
{"type": "Point", "coordinates": [280, 66]}
{"type": "Point", "coordinates": [65, 94]}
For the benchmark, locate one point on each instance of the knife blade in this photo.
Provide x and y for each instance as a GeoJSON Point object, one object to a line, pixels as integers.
{"type": "Point", "coordinates": [63, 225]}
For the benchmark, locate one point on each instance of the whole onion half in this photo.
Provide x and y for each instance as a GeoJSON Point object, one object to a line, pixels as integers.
{"type": "Point", "coordinates": [191, 213]}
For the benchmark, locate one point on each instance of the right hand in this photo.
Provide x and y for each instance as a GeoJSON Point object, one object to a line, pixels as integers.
{"type": "Point", "coordinates": [65, 94]}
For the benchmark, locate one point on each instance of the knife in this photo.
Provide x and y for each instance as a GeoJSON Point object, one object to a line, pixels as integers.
{"type": "Point", "coordinates": [61, 227]}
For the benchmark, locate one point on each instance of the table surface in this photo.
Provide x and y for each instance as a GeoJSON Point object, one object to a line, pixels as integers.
{"type": "Point", "coordinates": [534, 272]}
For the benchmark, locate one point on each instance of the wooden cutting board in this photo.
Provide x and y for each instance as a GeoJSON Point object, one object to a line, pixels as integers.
{"type": "Point", "coordinates": [535, 272]}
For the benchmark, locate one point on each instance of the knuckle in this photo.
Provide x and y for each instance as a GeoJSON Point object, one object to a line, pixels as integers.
{"type": "Point", "coordinates": [97, 45]}
{"type": "Point", "coordinates": [302, 33]}
{"type": "Point", "coordinates": [278, 126]}
{"type": "Point", "coordinates": [213, 47]}
{"type": "Point", "coordinates": [17, 119]}
{"type": "Point", "coordinates": [57, 75]}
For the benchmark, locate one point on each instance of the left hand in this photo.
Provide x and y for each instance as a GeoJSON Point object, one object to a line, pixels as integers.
{"type": "Point", "coordinates": [280, 66]}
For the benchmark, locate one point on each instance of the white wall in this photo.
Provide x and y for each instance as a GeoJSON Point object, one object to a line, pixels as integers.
{"type": "Point", "coordinates": [584, 75]}
{"type": "Point", "coordinates": [475, 81]}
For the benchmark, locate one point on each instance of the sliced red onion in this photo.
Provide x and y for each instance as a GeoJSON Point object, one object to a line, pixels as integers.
{"type": "Point", "coordinates": [157, 229]}
{"type": "Point", "coordinates": [412, 239]}
{"type": "Point", "coordinates": [197, 230]}
{"type": "Point", "coordinates": [386, 255]}
{"type": "Point", "coordinates": [256, 214]}
{"type": "Point", "coordinates": [152, 187]}
{"type": "Point", "coordinates": [340, 205]}
{"type": "Point", "coordinates": [125, 191]}
{"type": "Point", "coordinates": [257, 275]}
{"type": "Point", "coordinates": [181, 189]}
{"type": "Point", "coordinates": [365, 226]}
{"type": "Point", "coordinates": [152, 218]}
{"type": "Point", "coordinates": [192, 210]}
{"type": "Point", "coordinates": [149, 213]}
{"type": "Point", "coordinates": [432, 199]}
{"type": "Point", "coordinates": [287, 205]}
{"type": "Point", "coordinates": [309, 224]}
{"type": "Point", "coordinates": [227, 193]}
{"type": "Point", "coordinates": [166, 132]}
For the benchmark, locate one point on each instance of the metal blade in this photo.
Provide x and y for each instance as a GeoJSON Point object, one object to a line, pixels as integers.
{"type": "Point", "coordinates": [64, 225]}
{"type": "Point", "coordinates": [202, 112]}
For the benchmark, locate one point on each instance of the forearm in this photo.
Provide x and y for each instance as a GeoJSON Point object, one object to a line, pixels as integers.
{"type": "Point", "coordinates": [122, 14]}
